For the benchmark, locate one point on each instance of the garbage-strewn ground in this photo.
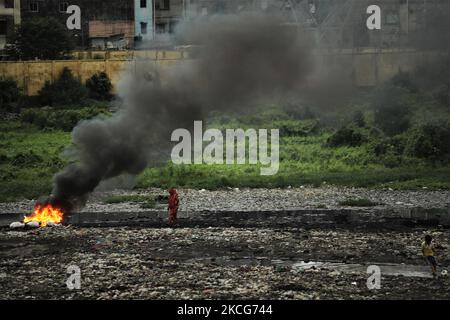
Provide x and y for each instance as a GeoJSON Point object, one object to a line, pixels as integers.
{"type": "Point", "coordinates": [225, 263]}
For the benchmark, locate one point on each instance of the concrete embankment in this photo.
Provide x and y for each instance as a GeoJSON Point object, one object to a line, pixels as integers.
{"type": "Point", "coordinates": [389, 217]}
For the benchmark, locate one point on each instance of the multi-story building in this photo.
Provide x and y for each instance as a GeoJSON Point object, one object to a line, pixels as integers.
{"type": "Point", "coordinates": [335, 23]}
{"type": "Point", "coordinates": [104, 23]}
{"type": "Point", "coordinates": [143, 19]}
{"type": "Point", "coordinates": [9, 18]}
{"type": "Point", "coordinates": [342, 23]}
{"type": "Point", "coordinates": [167, 14]}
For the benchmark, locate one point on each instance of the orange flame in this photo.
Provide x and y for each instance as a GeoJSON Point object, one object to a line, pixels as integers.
{"type": "Point", "coordinates": [45, 214]}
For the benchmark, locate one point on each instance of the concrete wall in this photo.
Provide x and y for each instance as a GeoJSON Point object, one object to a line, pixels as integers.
{"type": "Point", "coordinates": [32, 75]}
{"type": "Point", "coordinates": [372, 67]}
{"type": "Point", "coordinates": [363, 68]}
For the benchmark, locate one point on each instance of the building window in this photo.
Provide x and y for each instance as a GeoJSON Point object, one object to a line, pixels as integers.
{"type": "Point", "coordinates": [34, 6]}
{"type": "Point", "coordinates": [162, 4]}
{"type": "Point", "coordinates": [392, 18]}
{"type": "Point", "coordinates": [9, 3]}
{"type": "Point", "coordinates": [172, 26]}
{"type": "Point", "coordinates": [2, 27]}
{"type": "Point", "coordinates": [63, 6]}
{"type": "Point", "coordinates": [144, 27]}
{"type": "Point", "coordinates": [160, 28]}
{"type": "Point", "coordinates": [143, 3]}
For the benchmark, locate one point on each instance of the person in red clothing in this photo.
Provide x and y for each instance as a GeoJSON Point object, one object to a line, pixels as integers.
{"type": "Point", "coordinates": [173, 206]}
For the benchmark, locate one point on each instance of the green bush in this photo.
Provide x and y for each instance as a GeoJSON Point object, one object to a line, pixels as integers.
{"type": "Point", "coordinates": [392, 110]}
{"type": "Point", "coordinates": [299, 113]}
{"type": "Point", "coordinates": [393, 145]}
{"type": "Point", "coordinates": [44, 38]}
{"type": "Point", "coordinates": [348, 136]}
{"type": "Point", "coordinates": [359, 202]}
{"type": "Point", "coordinates": [442, 94]}
{"type": "Point", "coordinates": [26, 159]}
{"type": "Point", "coordinates": [99, 86]}
{"type": "Point", "coordinates": [404, 80]}
{"type": "Point", "coordinates": [3, 158]}
{"type": "Point", "coordinates": [9, 94]}
{"type": "Point", "coordinates": [67, 119]}
{"type": "Point", "coordinates": [430, 141]}
{"type": "Point", "coordinates": [359, 119]}
{"type": "Point", "coordinates": [290, 128]}
{"type": "Point", "coordinates": [66, 91]}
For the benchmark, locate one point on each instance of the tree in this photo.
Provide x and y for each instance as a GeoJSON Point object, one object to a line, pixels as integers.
{"type": "Point", "coordinates": [430, 141]}
{"type": "Point", "coordinates": [41, 38]}
{"type": "Point", "coordinates": [392, 110]}
{"type": "Point", "coordinates": [66, 91]}
{"type": "Point", "coordinates": [99, 86]}
{"type": "Point", "coordinates": [9, 94]}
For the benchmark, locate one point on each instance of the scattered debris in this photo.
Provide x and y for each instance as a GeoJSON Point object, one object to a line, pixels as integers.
{"type": "Point", "coordinates": [17, 225]}
{"type": "Point", "coordinates": [214, 263]}
{"type": "Point", "coordinates": [33, 224]}
{"type": "Point", "coordinates": [52, 224]}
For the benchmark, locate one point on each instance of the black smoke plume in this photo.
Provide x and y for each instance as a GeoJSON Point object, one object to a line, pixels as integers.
{"type": "Point", "coordinates": [238, 59]}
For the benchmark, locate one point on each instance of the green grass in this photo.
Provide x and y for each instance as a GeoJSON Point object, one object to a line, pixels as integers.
{"type": "Point", "coordinates": [217, 177]}
{"type": "Point", "coordinates": [360, 202]}
{"type": "Point", "coordinates": [29, 157]}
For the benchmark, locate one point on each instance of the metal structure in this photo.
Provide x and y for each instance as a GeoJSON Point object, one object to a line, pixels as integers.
{"type": "Point", "coordinates": [329, 30]}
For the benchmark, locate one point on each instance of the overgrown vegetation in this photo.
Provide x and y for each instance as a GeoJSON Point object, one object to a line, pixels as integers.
{"type": "Point", "coordinates": [9, 94]}
{"type": "Point", "coordinates": [65, 119]}
{"type": "Point", "coordinates": [430, 141]}
{"type": "Point", "coordinates": [68, 91]}
{"type": "Point", "coordinates": [398, 138]}
{"type": "Point", "coordinates": [41, 38]}
{"type": "Point", "coordinates": [65, 91]}
{"type": "Point", "coordinates": [99, 86]}
{"type": "Point", "coordinates": [28, 159]}
{"type": "Point", "coordinates": [359, 202]}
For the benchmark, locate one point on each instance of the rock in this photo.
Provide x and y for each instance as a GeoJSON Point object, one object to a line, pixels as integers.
{"type": "Point", "coordinates": [33, 224]}
{"type": "Point", "coordinates": [334, 273]}
{"type": "Point", "coordinates": [17, 225]}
